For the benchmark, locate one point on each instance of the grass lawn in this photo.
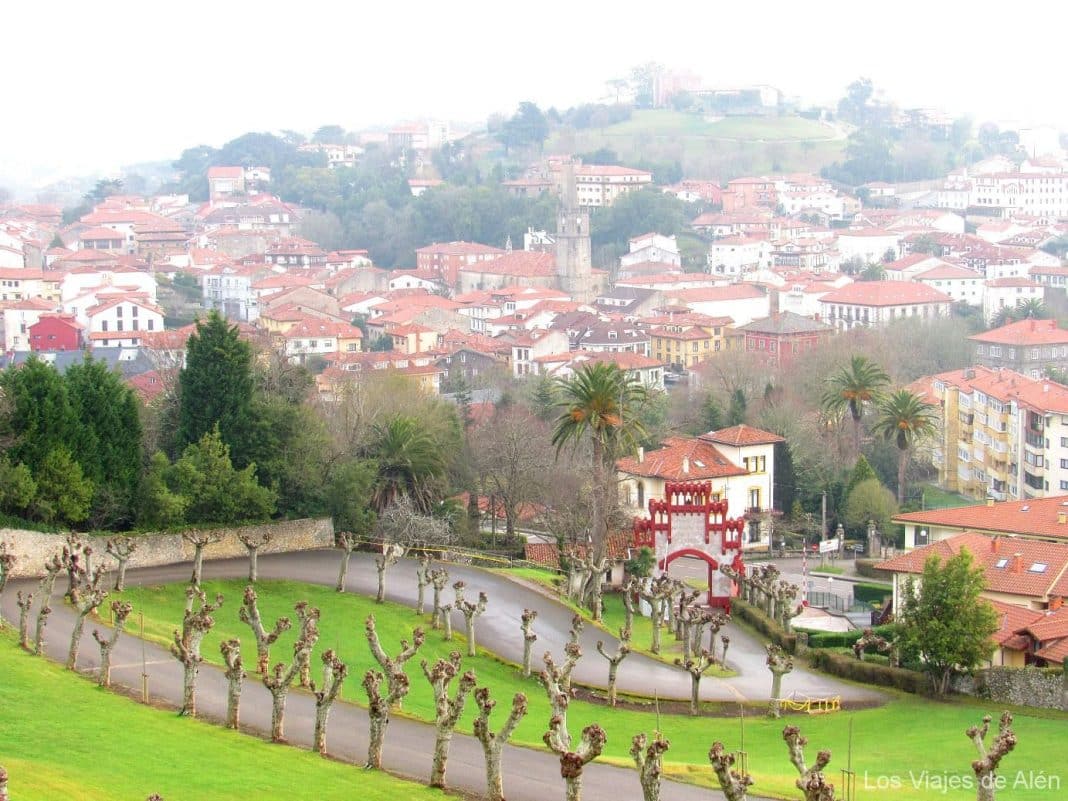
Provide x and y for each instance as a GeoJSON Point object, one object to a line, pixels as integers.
{"type": "Point", "coordinates": [936, 498]}
{"type": "Point", "coordinates": [908, 733]}
{"type": "Point", "coordinates": [64, 739]}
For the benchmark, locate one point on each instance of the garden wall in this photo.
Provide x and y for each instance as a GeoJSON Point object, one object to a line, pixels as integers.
{"type": "Point", "coordinates": [33, 548]}
{"type": "Point", "coordinates": [1039, 687]}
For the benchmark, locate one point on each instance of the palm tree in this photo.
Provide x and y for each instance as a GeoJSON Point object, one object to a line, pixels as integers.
{"type": "Point", "coordinates": [600, 404]}
{"type": "Point", "coordinates": [904, 418]}
{"type": "Point", "coordinates": [410, 462]}
{"type": "Point", "coordinates": [853, 388]}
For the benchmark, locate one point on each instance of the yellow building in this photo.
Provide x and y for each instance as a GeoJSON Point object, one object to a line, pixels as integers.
{"type": "Point", "coordinates": [684, 340]}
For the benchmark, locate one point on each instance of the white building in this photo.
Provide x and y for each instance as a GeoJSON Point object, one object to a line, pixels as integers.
{"type": "Point", "coordinates": [875, 303]}
{"type": "Point", "coordinates": [1004, 293]}
{"type": "Point", "coordinates": [869, 245]}
{"type": "Point", "coordinates": [229, 289]}
{"type": "Point", "coordinates": [741, 302]}
{"type": "Point", "coordinates": [652, 247]}
{"type": "Point", "coordinates": [736, 255]}
{"type": "Point", "coordinates": [960, 283]}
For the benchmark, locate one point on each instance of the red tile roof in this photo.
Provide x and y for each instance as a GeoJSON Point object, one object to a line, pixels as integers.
{"type": "Point", "coordinates": [1035, 518]}
{"type": "Point", "coordinates": [885, 293]}
{"type": "Point", "coordinates": [546, 553]}
{"type": "Point", "coordinates": [997, 556]}
{"type": "Point", "coordinates": [1025, 332]}
{"type": "Point", "coordinates": [519, 263]}
{"type": "Point", "coordinates": [741, 435]}
{"type": "Point", "coordinates": [681, 459]}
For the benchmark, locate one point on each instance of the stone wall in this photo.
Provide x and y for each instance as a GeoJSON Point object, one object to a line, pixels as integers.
{"type": "Point", "coordinates": [33, 548]}
{"type": "Point", "coordinates": [1027, 686]}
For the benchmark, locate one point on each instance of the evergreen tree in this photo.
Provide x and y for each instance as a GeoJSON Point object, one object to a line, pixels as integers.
{"type": "Point", "coordinates": [158, 506]}
{"type": "Point", "coordinates": [785, 478]}
{"type": "Point", "coordinates": [108, 436]}
{"type": "Point", "coordinates": [63, 493]}
{"type": "Point", "coordinates": [348, 497]}
{"type": "Point", "coordinates": [712, 413]}
{"type": "Point", "coordinates": [215, 388]}
{"type": "Point", "coordinates": [736, 410]}
{"type": "Point", "coordinates": [862, 471]}
{"type": "Point", "coordinates": [217, 492]}
{"type": "Point", "coordinates": [41, 419]}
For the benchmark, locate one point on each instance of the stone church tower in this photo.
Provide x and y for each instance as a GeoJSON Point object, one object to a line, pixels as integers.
{"type": "Point", "coordinates": [574, 263]}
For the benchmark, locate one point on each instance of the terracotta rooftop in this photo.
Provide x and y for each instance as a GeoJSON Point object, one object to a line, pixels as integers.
{"type": "Point", "coordinates": [885, 293]}
{"type": "Point", "coordinates": [681, 459]}
{"type": "Point", "coordinates": [1025, 332]}
{"type": "Point", "coordinates": [741, 435]}
{"type": "Point", "coordinates": [1036, 518]}
{"type": "Point", "coordinates": [786, 323]}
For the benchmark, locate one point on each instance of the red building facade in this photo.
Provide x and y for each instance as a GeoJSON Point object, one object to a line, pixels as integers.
{"type": "Point", "coordinates": [57, 332]}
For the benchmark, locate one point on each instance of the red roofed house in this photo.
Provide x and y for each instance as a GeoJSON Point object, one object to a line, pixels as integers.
{"type": "Point", "coordinates": [313, 335]}
{"type": "Point", "coordinates": [1027, 346]}
{"type": "Point", "coordinates": [1032, 519]}
{"type": "Point", "coordinates": [960, 283]}
{"type": "Point", "coordinates": [750, 193]}
{"type": "Point", "coordinates": [56, 332]}
{"type": "Point", "coordinates": [738, 461]}
{"type": "Point", "coordinates": [874, 303]}
{"type": "Point", "coordinates": [779, 338]}
{"type": "Point", "coordinates": [601, 184]}
{"type": "Point", "coordinates": [1007, 293]}
{"type": "Point", "coordinates": [1026, 583]}
{"type": "Point", "coordinates": [225, 181]}
{"type": "Point", "coordinates": [741, 302]}
{"type": "Point", "coordinates": [446, 259]}
{"type": "Point", "coordinates": [120, 320]}
{"type": "Point", "coordinates": [100, 238]}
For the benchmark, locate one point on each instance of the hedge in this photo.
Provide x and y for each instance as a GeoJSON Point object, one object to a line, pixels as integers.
{"type": "Point", "coordinates": [747, 613]}
{"type": "Point", "coordinates": [845, 639]}
{"type": "Point", "coordinates": [866, 568]}
{"type": "Point", "coordinates": [848, 667]}
{"type": "Point", "coordinates": [863, 591]}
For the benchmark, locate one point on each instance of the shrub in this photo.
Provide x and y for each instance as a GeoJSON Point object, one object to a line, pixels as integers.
{"type": "Point", "coordinates": [866, 568]}
{"type": "Point", "coordinates": [847, 667]}
{"type": "Point", "coordinates": [746, 613]}
{"type": "Point", "coordinates": [845, 639]}
{"type": "Point", "coordinates": [871, 592]}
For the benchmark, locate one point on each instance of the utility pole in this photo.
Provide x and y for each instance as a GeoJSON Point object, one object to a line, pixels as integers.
{"type": "Point", "coordinates": [823, 525]}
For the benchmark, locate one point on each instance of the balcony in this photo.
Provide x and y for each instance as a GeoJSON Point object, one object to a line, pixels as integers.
{"type": "Point", "coordinates": [1035, 440]}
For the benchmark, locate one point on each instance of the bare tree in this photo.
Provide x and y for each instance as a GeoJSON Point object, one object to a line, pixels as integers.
{"type": "Point", "coordinates": [726, 644]}
{"type": "Point", "coordinates": [696, 667]}
{"type": "Point", "coordinates": [391, 554]}
{"type": "Point", "coordinates": [470, 611]}
{"type": "Point", "coordinates": [779, 663]}
{"type": "Point", "coordinates": [53, 567]}
{"type": "Point", "coordinates": [186, 648]}
{"type": "Point", "coordinates": [493, 742]}
{"type": "Point", "coordinates": [557, 679]}
{"type": "Point", "coordinates": [308, 627]}
{"type": "Point", "coordinates": [378, 710]}
{"type": "Point", "coordinates": [199, 540]}
{"type": "Point", "coordinates": [334, 674]}
{"type": "Point", "coordinates": [811, 781]}
{"type": "Point", "coordinates": [120, 610]}
{"type": "Point", "coordinates": [7, 565]}
{"type": "Point", "coordinates": [86, 596]}
{"type": "Point", "coordinates": [249, 613]}
{"type": "Point", "coordinates": [657, 594]}
{"type": "Point", "coordinates": [3, 784]}
{"type": "Point", "coordinates": [529, 638]}
{"type": "Point", "coordinates": [235, 674]}
{"type": "Point", "coordinates": [649, 759]}
{"type": "Point", "coordinates": [590, 747]}
{"type": "Point", "coordinates": [76, 560]}
{"type": "Point", "coordinates": [735, 785]}
{"type": "Point", "coordinates": [631, 589]}
{"type": "Point", "coordinates": [446, 619]}
{"type": "Point", "coordinates": [592, 572]}
{"type": "Point", "coordinates": [253, 543]}
{"type": "Point", "coordinates": [401, 523]}
{"type": "Point", "coordinates": [278, 683]}
{"type": "Point", "coordinates": [393, 666]}
{"type": "Point", "coordinates": [347, 542]}
{"type": "Point", "coordinates": [986, 765]}
{"type": "Point", "coordinates": [614, 661]}
{"type": "Point", "coordinates": [422, 578]}
{"type": "Point", "coordinates": [121, 549]}
{"type": "Point", "coordinates": [439, 579]}
{"type": "Point", "coordinates": [24, 602]}
{"type": "Point", "coordinates": [716, 621]}
{"type": "Point", "coordinates": [447, 711]}
{"type": "Point", "coordinates": [869, 639]}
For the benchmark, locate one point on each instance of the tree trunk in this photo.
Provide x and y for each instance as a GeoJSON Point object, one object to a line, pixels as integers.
{"type": "Point", "coordinates": [381, 596]}
{"type": "Point", "coordinates": [233, 703]}
{"type": "Point", "coordinates": [776, 688]}
{"type": "Point", "coordinates": [469, 620]}
{"type": "Point", "coordinates": [120, 579]}
{"type": "Point", "coordinates": [902, 463]}
{"type": "Point", "coordinates": [322, 714]}
{"type": "Point", "coordinates": [378, 725]}
{"type": "Point", "coordinates": [441, 757]}
{"type": "Point", "coordinates": [198, 564]}
{"type": "Point", "coordinates": [574, 787]}
{"type": "Point", "coordinates": [446, 616]}
{"type": "Point", "coordinates": [42, 621]}
{"type": "Point", "coordinates": [3, 784]}
{"type": "Point", "coordinates": [657, 621]}
{"type": "Point", "coordinates": [494, 783]}
{"type": "Point", "coordinates": [528, 648]}
{"type": "Point", "coordinates": [695, 693]}
{"type": "Point", "coordinates": [344, 572]}
{"type": "Point", "coordinates": [435, 617]}
{"type": "Point", "coordinates": [189, 689]}
{"type": "Point", "coordinates": [613, 668]}
{"type": "Point", "coordinates": [75, 641]}
{"type": "Point", "coordinates": [253, 565]}
{"type": "Point", "coordinates": [278, 714]}
{"type": "Point", "coordinates": [24, 604]}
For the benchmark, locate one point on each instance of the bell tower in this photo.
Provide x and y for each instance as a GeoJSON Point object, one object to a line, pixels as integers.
{"type": "Point", "coordinates": [574, 262]}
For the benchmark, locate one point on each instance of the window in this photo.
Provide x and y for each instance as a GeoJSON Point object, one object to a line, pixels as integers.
{"type": "Point", "coordinates": [103, 325]}
{"type": "Point", "coordinates": [118, 310]}
{"type": "Point", "coordinates": [118, 325]}
{"type": "Point", "coordinates": [1001, 563]}
{"type": "Point", "coordinates": [1038, 567]}
{"type": "Point", "coordinates": [151, 324]}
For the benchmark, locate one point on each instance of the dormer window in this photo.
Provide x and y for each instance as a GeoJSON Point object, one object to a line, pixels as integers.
{"type": "Point", "coordinates": [1001, 563]}
{"type": "Point", "coordinates": [1038, 567]}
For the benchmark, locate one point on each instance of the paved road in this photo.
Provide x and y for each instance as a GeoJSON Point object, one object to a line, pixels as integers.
{"type": "Point", "coordinates": [530, 775]}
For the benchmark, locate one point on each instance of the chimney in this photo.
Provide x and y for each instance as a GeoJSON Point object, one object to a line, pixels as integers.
{"type": "Point", "coordinates": [995, 543]}
{"type": "Point", "coordinates": [641, 454]}
{"type": "Point", "coordinates": [989, 500]}
{"type": "Point", "coordinates": [686, 464]}
{"type": "Point", "coordinates": [1017, 562]}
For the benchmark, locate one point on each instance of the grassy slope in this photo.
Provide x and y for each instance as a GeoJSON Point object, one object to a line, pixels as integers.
{"type": "Point", "coordinates": [725, 149]}
{"type": "Point", "coordinates": [909, 733]}
{"type": "Point", "coordinates": [64, 739]}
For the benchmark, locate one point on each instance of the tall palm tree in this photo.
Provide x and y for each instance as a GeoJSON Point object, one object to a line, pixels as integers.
{"type": "Point", "coordinates": [410, 462]}
{"type": "Point", "coordinates": [600, 404]}
{"type": "Point", "coordinates": [853, 387]}
{"type": "Point", "coordinates": [904, 418]}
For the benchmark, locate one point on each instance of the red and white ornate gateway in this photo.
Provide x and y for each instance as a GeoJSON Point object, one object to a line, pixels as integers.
{"type": "Point", "coordinates": [691, 522]}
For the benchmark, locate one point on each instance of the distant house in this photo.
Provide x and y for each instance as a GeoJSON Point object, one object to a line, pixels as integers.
{"type": "Point", "coordinates": [778, 339]}
{"type": "Point", "coordinates": [876, 303]}
{"type": "Point", "coordinates": [1027, 346]}
{"type": "Point", "coordinates": [56, 332]}
{"type": "Point", "coordinates": [224, 182]}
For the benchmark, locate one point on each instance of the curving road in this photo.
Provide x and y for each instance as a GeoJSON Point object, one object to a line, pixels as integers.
{"type": "Point", "coordinates": [530, 775]}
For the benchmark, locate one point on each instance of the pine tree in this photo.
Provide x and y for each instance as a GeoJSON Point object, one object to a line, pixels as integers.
{"type": "Point", "coordinates": [40, 419]}
{"type": "Point", "coordinates": [216, 388]}
{"type": "Point", "coordinates": [862, 471]}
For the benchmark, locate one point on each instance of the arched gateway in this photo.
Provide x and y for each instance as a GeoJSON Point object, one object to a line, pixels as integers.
{"type": "Point", "coordinates": [691, 522]}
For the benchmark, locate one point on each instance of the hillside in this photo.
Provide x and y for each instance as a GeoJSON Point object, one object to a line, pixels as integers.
{"type": "Point", "coordinates": [722, 148]}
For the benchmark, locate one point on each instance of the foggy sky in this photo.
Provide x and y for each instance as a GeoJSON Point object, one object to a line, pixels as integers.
{"type": "Point", "coordinates": [87, 88]}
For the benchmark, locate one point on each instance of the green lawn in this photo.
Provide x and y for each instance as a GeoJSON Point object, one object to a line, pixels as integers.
{"type": "Point", "coordinates": [64, 739]}
{"type": "Point", "coordinates": [935, 497]}
{"type": "Point", "coordinates": [726, 148]}
{"type": "Point", "coordinates": [908, 733]}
